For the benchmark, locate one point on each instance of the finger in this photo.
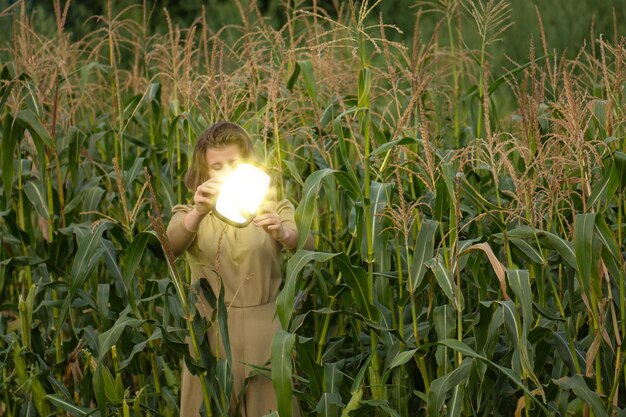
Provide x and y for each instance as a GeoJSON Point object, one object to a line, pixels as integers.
{"type": "Point", "coordinates": [211, 181]}
{"type": "Point", "coordinates": [205, 190]}
{"type": "Point", "coordinates": [266, 222]}
{"type": "Point", "coordinates": [202, 199]}
{"type": "Point", "coordinates": [262, 217]}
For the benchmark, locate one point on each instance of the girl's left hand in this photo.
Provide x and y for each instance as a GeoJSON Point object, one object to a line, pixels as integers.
{"type": "Point", "coordinates": [271, 223]}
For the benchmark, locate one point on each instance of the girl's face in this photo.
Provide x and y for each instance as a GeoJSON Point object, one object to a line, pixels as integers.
{"type": "Point", "coordinates": [223, 161]}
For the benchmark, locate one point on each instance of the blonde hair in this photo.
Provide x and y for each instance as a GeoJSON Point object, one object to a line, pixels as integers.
{"type": "Point", "coordinates": [219, 135]}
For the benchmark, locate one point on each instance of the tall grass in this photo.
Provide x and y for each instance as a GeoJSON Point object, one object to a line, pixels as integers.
{"type": "Point", "coordinates": [468, 220]}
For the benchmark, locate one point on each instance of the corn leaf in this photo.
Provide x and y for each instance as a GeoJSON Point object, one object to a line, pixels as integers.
{"type": "Point", "coordinates": [422, 252]}
{"type": "Point", "coordinates": [282, 348]}
{"type": "Point", "coordinates": [441, 386]}
{"type": "Point", "coordinates": [37, 197]}
{"type": "Point", "coordinates": [356, 278]}
{"type": "Point", "coordinates": [578, 386]}
{"type": "Point", "coordinates": [285, 299]}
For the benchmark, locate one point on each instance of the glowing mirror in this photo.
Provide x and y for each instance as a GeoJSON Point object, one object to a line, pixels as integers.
{"type": "Point", "coordinates": [241, 195]}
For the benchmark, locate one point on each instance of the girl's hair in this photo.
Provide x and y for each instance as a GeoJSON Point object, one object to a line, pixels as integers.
{"type": "Point", "coordinates": [219, 135]}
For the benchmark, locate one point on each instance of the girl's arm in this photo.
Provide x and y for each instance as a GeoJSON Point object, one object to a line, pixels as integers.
{"type": "Point", "coordinates": [182, 229]}
{"type": "Point", "coordinates": [279, 223]}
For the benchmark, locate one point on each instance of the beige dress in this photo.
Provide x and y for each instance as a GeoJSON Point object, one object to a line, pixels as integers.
{"type": "Point", "coordinates": [247, 260]}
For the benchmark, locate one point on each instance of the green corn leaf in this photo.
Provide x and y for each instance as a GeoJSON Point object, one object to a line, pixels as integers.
{"type": "Point", "coordinates": [282, 347]}
{"type": "Point", "coordinates": [133, 255]}
{"type": "Point", "coordinates": [583, 246]}
{"type": "Point", "coordinates": [467, 351]}
{"type": "Point", "coordinates": [285, 299]}
{"type": "Point", "coordinates": [448, 172]}
{"type": "Point", "coordinates": [379, 407]}
{"type": "Point", "coordinates": [400, 359]}
{"type": "Point", "coordinates": [135, 171]}
{"type": "Point", "coordinates": [422, 252]}
{"type": "Point", "coordinates": [139, 347]}
{"type": "Point", "coordinates": [5, 86]}
{"type": "Point", "coordinates": [519, 280]}
{"type": "Point", "coordinates": [306, 209]}
{"type": "Point", "coordinates": [329, 405]}
{"type": "Point", "coordinates": [619, 159]}
{"type": "Point", "coordinates": [30, 121]}
{"type": "Point", "coordinates": [347, 160]}
{"type": "Point", "coordinates": [102, 301]}
{"type": "Point", "coordinates": [379, 200]}
{"type": "Point", "coordinates": [611, 255]}
{"type": "Point", "coordinates": [24, 377]}
{"type": "Point", "coordinates": [563, 247]}
{"type": "Point", "coordinates": [577, 385]}
{"type": "Point", "coordinates": [222, 320]}
{"type": "Point", "coordinates": [529, 250]}
{"type": "Point", "coordinates": [99, 383]}
{"type": "Point", "coordinates": [11, 135]}
{"type": "Point", "coordinates": [294, 77]}
{"type": "Point", "coordinates": [444, 322]}
{"type": "Point", "coordinates": [69, 407]}
{"type": "Point", "coordinates": [606, 237]}
{"type": "Point", "coordinates": [605, 188]}
{"type": "Point", "coordinates": [356, 278]}
{"type": "Point", "coordinates": [455, 403]}
{"type": "Point", "coordinates": [387, 146]}
{"type": "Point", "coordinates": [308, 366]}
{"type": "Point", "coordinates": [551, 241]}
{"type": "Point", "coordinates": [88, 254]}
{"type": "Point", "coordinates": [442, 200]}
{"type": "Point", "coordinates": [514, 329]}
{"type": "Point", "coordinates": [76, 138]}
{"type": "Point", "coordinates": [293, 171]}
{"type": "Point", "coordinates": [224, 376]}
{"type": "Point", "coordinates": [331, 402]}
{"type": "Point", "coordinates": [365, 85]}
{"type": "Point", "coordinates": [111, 387]}
{"type": "Point", "coordinates": [92, 197]}
{"type": "Point", "coordinates": [358, 380]}
{"type": "Point", "coordinates": [110, 259]}
{"type": "Point", "coordinates": [107, 339]}
{"type": "Point", "coordinates": [563, 349]}
{"type": "Point", "coordinates": [131, 105]}
{"type": "Point", "coordinates": [445, 280]}
{"type": "Point", "coordinates": [333, 377]}
{"type": "Point", "coordinates": [481, 202]}
{"type": "Point", "coordinates": [335, 108]}
{"type": "Point", "coordinates": [354, 403]}
{"type": "Point", "coordinates": [306, 68]}
{"type": "Point", "coordinates": [87, 257]}
{"type": "Point", "coordinates": [37, 197]}
{"type": "Point", "coordinates": [441, 386]}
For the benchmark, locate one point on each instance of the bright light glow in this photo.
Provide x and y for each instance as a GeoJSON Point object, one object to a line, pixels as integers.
{"type": "Point", "coordinates": [242, 193]}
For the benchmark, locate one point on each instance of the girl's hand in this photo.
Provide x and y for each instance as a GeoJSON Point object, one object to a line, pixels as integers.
{"type": "Point", "coordinates": [205, 195]}
{"type": "Point", "coordinates": [273, 225]}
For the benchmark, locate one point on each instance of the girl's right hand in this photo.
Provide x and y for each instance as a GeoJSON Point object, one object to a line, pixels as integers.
{"type": "Point", "coordinates": [205, 195]}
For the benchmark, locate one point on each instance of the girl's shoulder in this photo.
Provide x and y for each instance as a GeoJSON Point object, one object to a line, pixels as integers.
{"type": "Point", "coordinates": [278, 205]}
{"type": "Point", "coordinates": [185, 208]}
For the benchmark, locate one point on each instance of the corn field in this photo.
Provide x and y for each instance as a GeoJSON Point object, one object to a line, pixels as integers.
{"type": "Point", "coordinates": [468, 220]}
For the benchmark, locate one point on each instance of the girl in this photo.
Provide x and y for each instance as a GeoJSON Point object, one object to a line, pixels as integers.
{"type": "Point", "coordinates": [246, 260]}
